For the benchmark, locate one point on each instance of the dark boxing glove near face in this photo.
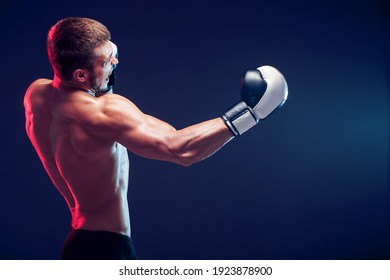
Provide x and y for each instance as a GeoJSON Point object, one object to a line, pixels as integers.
{"type": "Point", "coordinates": [112, 77]}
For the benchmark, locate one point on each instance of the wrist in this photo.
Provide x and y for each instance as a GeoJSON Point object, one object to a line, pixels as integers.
{"type": "Point", "coordinates": [239, 118]}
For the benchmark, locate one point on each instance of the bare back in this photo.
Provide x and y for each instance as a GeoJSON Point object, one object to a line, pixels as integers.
{"type": "Point", "coordinates": [83, 140]}
{"type": "Point", "coordinates": [89, 170]}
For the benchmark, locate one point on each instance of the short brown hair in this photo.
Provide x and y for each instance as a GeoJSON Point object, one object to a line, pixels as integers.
{"type": "Point", "coordinates": [71, 43]}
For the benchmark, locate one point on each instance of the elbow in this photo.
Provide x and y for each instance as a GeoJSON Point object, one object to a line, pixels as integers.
{"type": "Point", "coordinates": [182, 154]}
{"type": "Point", "coordinates": [185, 160]}
{"type": "Point", "coordinates": [185, 164]}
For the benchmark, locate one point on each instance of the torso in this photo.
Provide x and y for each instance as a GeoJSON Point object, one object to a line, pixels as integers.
{"type": "Point", "coordinates": [90, 170]}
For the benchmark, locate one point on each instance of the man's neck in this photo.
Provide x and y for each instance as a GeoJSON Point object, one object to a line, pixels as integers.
{"type": "Point", "coordinates": [57, 82]}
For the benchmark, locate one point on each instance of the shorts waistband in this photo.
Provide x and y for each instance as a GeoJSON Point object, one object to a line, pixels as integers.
{"type": "Point", "coordinates": [100, 233]}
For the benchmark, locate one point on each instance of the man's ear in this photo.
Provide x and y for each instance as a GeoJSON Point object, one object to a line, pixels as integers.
{"type": "Point", "coordinates": [80, 75]}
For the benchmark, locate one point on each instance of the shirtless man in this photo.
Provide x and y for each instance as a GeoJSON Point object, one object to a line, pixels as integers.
{"type": "Point", "coordinates": [82, 131]}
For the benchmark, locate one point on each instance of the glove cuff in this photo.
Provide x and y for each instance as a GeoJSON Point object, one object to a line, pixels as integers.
{"type": "Point", "coordinates": [239, 118]}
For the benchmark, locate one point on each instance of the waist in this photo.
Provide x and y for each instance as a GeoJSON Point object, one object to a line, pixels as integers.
{"type": "Point", "coordinates": [114, 217]}
{"type": "Point", "coordinates": [116, 224]}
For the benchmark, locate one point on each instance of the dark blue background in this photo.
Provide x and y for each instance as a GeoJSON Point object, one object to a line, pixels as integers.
{"type": "Point", "coordinates": [310, 182]}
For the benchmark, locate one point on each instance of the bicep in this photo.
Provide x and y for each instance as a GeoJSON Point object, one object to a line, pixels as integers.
{"type": "Point", "coordinates": [148, 137]}
{"type": "Point", "coordinates": [140, 133]}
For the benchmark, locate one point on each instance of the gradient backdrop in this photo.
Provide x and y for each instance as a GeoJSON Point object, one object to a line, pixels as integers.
{"type": "Point", "coordinates": [310, 182]}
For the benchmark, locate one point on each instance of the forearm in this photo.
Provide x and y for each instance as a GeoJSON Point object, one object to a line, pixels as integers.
{"type": "Point", "coordinates": [197, 142]}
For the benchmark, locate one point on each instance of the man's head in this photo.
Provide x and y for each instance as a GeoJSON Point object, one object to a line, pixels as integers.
{"type": "Point", "coordinates": [73, 46]}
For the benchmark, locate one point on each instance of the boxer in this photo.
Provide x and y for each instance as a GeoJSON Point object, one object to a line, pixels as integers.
{"type": "Point", "coordinates": [82, 131]}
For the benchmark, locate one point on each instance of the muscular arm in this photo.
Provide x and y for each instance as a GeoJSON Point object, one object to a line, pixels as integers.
{"type": "Point", "coordinates": [186, 146]}
{"type": "Point", "coordinates": [152, 138]}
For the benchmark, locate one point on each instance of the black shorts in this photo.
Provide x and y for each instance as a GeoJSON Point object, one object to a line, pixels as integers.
{"type": "Point", "coordinates": [97, 245]}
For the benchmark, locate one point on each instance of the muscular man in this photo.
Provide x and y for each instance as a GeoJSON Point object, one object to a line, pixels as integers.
{"type": "Point", "coordinates": [82, 131]}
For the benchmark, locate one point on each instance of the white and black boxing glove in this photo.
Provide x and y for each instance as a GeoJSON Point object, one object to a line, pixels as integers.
{"type": "Point", "coordinates": [263, 90]}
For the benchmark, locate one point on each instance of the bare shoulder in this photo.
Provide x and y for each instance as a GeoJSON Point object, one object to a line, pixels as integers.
{"type": "Point", "coordinates": [115, 104]}
{"type": "Point", "coordinates": [115, 113]}
{"type": "Point", "coordinates": [37, 84]}
{"type": "Point", "coordinates": [113, 99]}
{"type": "Point", "coordinates": [35, 92]}
{"type": "Point", "coordinates": [42, 81]}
